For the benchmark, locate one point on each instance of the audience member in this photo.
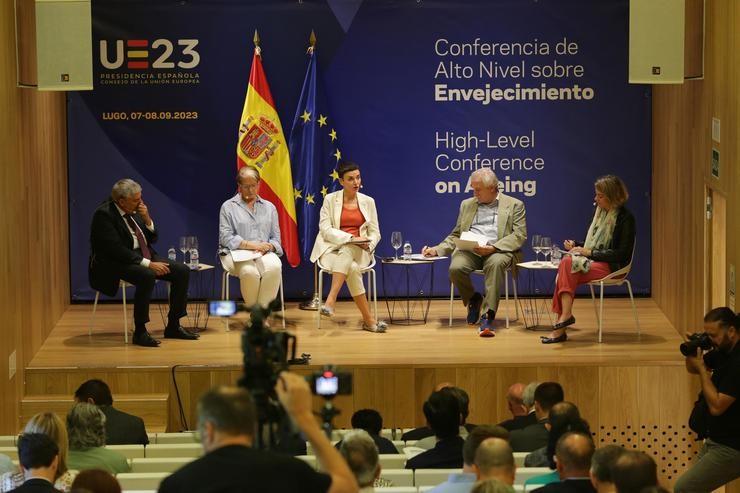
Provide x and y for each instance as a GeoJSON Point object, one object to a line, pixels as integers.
{"type": "Point", "coordinates": [227, 420]}
{"type": "Point", "coordinates": [86, 426]}
{"type": "Point", "coordinates": [371, 421]}
{"type": "Point", "coordinates": [39, 458]}
{"type": "Point", "coordinates": [120, 428]}
{"type": "Point", "coordinates": [96, 481]}
{"type": "Point", "coordinates": [494, 459]}
{"type": "Point", "coordinates": [601, 468]}
{"type": "Point", "coordinates": [464, 400]}
{"type": "Point", "coordinates": [492, 486]}
{"type": "Point", "coordinates": [425, 431]}
{"type": "Point", "coordinates": [521, 416]}
{"type": "Point", "coordinates": [563, 417]}
{"type": "Point", "coordinates": [534, 436]}
{"type": "Point", "coordinates": [52, 425]}
{"type": "Point", "coordinates": [633, 471]}
{"type": "Point", "coordinates": [361, 454]}
{"type": "Point", "coordinates": [442, 412]}
{"type": "Point", "coordinates": [463, 482]}
{"type": "Point", "coordinates": [573, 458]}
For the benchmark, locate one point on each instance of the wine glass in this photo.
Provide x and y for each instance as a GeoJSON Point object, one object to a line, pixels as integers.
{"type": "Point", "coordinates": [396, 241]}
{"type": "Point", "coordinates": [536, 241]}
{"type": "Point", "coordinates": [193, 242]}
{"type": "Point", "coordinates": [184, 247]}
{"type": "Point", "coordinates": [546, 246]}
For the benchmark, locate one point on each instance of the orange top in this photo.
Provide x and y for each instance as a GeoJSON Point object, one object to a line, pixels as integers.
{"type": "Point", "coordinates": [351, 220]}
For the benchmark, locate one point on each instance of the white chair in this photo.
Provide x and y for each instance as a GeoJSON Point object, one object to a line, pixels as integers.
{"type": "Point", "coordinates": [397, 489]}
{"type": "Point", "coordinates": [392, 461]}
{"type": "Point", "coordinates": [10, 451]}
{"type": "Point", "coordinates": [225, 295]}
{"type": "Point", "coordinates": [506, 295]}
{"type": "Point", "coordinates": [175, 437]}
{"type": "Point", "coordinates": [616, 278]}
{"type": "Point", "coordinates": [159, 464]}
{"type": "Point", "coordinates": [309, 459]}
{"type": "Point", "coordinates": [123, 285]}
{"type": "Point", "coordinates": [398, 477]}
{"type": "Point", "coordinates": [519, 458]}
{"type": "Point", "coordinates": [430, 477]}
{"type": "Point", "coordinates": [140, 480]}
{"type": "Point", "coordinates": [372, 288]}
{"type": "Point", "coordinates": [192, 450]}
{"type": "Point", "coordinates": [7, 440]}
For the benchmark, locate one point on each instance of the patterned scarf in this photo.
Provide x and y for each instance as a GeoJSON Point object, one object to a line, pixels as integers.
{"type": "Point", "coordinates": [599, 236]}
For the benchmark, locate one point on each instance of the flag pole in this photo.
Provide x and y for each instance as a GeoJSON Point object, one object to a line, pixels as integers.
{"type": "Point", "coordinates": [313, 303]}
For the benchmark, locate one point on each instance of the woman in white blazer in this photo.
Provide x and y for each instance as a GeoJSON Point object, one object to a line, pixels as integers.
{"type": "Point", "coordinates": [348, 234]}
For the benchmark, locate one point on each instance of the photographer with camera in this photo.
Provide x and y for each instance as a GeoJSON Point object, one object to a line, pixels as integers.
{"type": "Point", "coordinates": [716, 415]}
{"type": "Point", "coordinates": [227, 420]}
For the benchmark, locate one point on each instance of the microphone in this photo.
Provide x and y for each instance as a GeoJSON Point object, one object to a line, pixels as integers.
{"type": "Point", "coordinates": [361, 186]}
{"type": "Point", "coordinates": [594, 204]}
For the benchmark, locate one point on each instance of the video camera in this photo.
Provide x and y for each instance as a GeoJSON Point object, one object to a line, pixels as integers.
{"type": "Point", "coordinates": [329, 382]}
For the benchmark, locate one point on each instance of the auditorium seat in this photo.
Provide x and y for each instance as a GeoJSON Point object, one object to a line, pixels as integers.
{"type": "Point", "coordinates": [10, 451]}
{"type": "Point", "coordinates": [192, 450]}
{"type": "Point", "coordinates": [159, 464]}
{"type": "Point", "coordinates": [178, 437]}
{"type": "Point", "coordinates": [397, 489]}
{"type": "Point", "coordinates": [519, 458]}
{"type": "Point", "coordinates": [524, 473]}
{"type": "Point", "coordinates": [398, 477]}
{"type": "Point", "coordinates": [129, 451]}
{"type": "Point", "coordinates": [309, 459]}
{"type": "Point", "coordinates": [140, 480]}
{"type": "Point", "coordinates": [392, 461]}
{"type": "Point", "coordinates": [432, 477]}
{"type": "Point", "coordinates": [7, 441]}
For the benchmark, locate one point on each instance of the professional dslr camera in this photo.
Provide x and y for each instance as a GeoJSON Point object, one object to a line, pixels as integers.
{"type": "Point", "coordinates": [696, 341]}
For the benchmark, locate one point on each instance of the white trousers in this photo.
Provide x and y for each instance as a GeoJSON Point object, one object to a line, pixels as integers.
{"type": "Point", "coordinates": [259, 279]}
{"type": "Point", "coordinates": [345, 261]}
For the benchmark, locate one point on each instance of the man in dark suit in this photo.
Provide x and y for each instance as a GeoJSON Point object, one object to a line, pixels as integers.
{"type": "Point", "coordinates": [442, 411]}
{"type": "Point", "coordinates": [39, 458]}
{"type": "Point", "coordinates": [521, 417]}
{"type": "Point", "coordinates": [121, 237]}
{"type": "Point", "coordinates": [573, 454]}
{"type": "Point", "coordinates": [535, 436]}
{"type": "Point", "coordinates": [120, 428]}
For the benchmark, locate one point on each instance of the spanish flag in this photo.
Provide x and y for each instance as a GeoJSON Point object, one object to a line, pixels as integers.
{"type": "Point", "coordinates": [262, 145]}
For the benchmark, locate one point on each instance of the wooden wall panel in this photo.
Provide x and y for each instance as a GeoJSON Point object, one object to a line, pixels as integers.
{"type": "Point", "coordinates": [682, 145]}
{"type": "Point", "coordinates": [34, 284]}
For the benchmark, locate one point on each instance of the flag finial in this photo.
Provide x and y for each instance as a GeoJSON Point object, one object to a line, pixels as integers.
{"type": "Point", "coordinates": [312, 39]}
{"type": "Point", "coordinates": [256, 38]}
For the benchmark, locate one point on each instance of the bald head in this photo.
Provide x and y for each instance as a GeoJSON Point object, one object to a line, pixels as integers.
{"type": "Point", "coordinates": [515, 400]}
{"type": "Point", "coordinates": [634, 470]}
{"type": "Point", "coordinates": [495, 459]}
{"type": "Point", "coordinates": [573, 452]}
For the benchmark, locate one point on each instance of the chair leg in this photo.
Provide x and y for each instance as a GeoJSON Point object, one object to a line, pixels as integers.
{"type": "Point", "coordinates": [516, 298]}
{"type": "Point", "coordinates": [593, 298]}
{"type": "Point", "coordinates": [95, 307]}
{"type": "Point", "coordinates": [375, 292]}
{"type": "Point", "coordinates": [601, 310]}
{"type": "Point", "coordinates": [321, 296]}
{"type": "Point", "coordinates": [506, 295]}
{"type": "Point", "coordinates": [282, 301]}
{"type": "Point", "coordinates": [125, 317]}
{"type": "Point", "coordinates": [634, 308]}
{"type": "Point", "coordinates": [452, 297]}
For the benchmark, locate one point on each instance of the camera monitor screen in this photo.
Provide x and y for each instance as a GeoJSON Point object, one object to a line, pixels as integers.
{"type": "Point", "coordinates": [327, 385]}
{"type": "Point", "coordinates": [222, 308]}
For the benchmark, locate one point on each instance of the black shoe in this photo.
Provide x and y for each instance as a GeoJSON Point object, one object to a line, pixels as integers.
{"type": "Point", "coordinates": [553, 340]}
{"type": "Point", "coordinates": [179, 332]}
{"type": "Point", "coordinates": [474, 309]}
{"type": "Point", "coordinates": [144, 339]}
{"type": "Point", "coordinates": [564, 323]}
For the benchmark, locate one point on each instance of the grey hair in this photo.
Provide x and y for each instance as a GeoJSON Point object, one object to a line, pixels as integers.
{"type": "Point", "coordinates": [361, 454]}
{"type": "Point", "coordinates": [86, 426]}
{"type": "Point", "coordinates": [486, 176]}
{"type": "Point", "coordinates": [528, 394]}
{"type": "Point", "coordinates": [246, 171]}
{"type": "Point", "coordinates": [124, 188]}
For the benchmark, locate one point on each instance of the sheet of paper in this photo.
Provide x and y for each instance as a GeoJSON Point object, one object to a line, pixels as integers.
{"type": "Point", "coordinates": [243, 255]}
{"type": "Point", "coordinates": [419, 256]}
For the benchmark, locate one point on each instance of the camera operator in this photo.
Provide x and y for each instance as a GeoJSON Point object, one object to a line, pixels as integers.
{"type": "Point", "coordinates": [227, 420]}
{"type": "Point", "coordinates": [717, 417]}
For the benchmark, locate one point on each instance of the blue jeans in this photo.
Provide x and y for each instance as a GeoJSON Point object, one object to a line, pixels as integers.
{"type": "Point", "coordinates": [716, 465]}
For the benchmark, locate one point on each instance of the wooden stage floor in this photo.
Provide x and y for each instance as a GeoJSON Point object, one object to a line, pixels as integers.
{"type": "Point", "coordinates": [340, 341]}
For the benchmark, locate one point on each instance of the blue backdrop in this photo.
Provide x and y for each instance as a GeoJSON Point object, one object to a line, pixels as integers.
{"type": "Point", "coordinates": [421, 93]}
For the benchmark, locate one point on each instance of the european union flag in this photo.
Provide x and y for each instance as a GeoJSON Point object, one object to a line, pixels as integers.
{"type": "Point", "coordinates": [314, 154]}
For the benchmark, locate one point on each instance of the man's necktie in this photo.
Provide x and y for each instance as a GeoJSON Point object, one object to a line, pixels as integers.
{"type": "Point", "coordinates": [139, 237]}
